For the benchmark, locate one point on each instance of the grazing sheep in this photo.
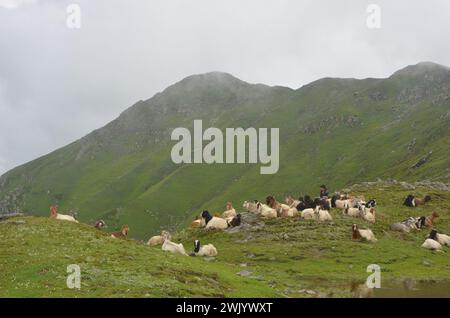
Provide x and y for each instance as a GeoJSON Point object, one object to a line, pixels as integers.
{"type": "Point", "coordinates": [251, 206]}
{"type": "Point", "coordinates": [358, 234]}
{"type": "Point", "coordinates": [236, 221]}
{"type": "Point", "coordinates": [55, 215]}
{"type": "Point", "coordinates": [213, 222]}
{"type": "Point", "coordinates": [159, 239]}
{"type": "Point", "coordinates": [230, 211]}
{"type": "Point", "coordinates": [100, 224]}
{"type": "Point", "coordinates": [431, 242]}
{"type": "Point", "coordinates": [204, 250]}
{"type": "Point", "coordinates": [121, 234]}
{"type": "Point", "coordinates": [172, 247]}
{"type": "Point", "coordinates": [266, 211]}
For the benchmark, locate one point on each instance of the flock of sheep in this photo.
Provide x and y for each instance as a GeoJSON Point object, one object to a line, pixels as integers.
{"type": "Point", "coordinates": [305, 208]}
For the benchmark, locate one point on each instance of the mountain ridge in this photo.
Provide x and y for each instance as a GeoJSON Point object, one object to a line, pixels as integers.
{"type": "Point", "coordinates": [123, 172]}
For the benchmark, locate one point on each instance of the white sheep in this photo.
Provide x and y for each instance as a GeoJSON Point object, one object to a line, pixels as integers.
{"type": "Point", "coordinates": [435, 241]}
{"type": "Point", "coordinates": [266, 211]}
{"type": "Point", "coordinates": [289, 200]}
{"type": "Point", "coordinates": [342, 204]}
{"type": "Point", "coordinates": [173, 248]}
{"type": "Point", "coordinates": [358, 234]}
{"type": "Point", "coordinates": [55, 215]}
{"type": "Point", "coordinates": [230, 211]}
{"type": "Point", "coordinates": [214, 222]}
{"type": "Point", "coordinates": [159, 239]}
{"type": "Point", "coordinates": [431, 244]}
{"type": "Point", "coordinates": [290, 212]}
{"type": "Point", "coordinates": [354, 212]}
{"type": "Point", "coordinates": [443, 239]}
{"type": "Point", "coordinates": [204, 250]}
{"type": "Point", "coordinates": [368, 214]}
{"type": "Point", "coordinates": [308, 214]}
{"type": "Point", "coordinates": [323, 215]}
{"type": "Point", "coordinates": [251, 206]}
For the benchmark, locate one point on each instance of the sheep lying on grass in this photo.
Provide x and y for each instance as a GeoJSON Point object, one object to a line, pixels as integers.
{"type": "Point", "coordinates": [443, 239]}
{"type": "Point", "coordinates": [172, 247]}
{"type": "Point", "coordinates": [359, 234]}
{"type": "Point", "coordinates": [431, 242]}
{"type": "Point", "coordinates": [230, 211]}
{"type": "Point", "coordinates": [55, 215]}
{"type": "Point", "coordinates": [412, 201]}
{"type": "Point", "coordinates": [266, 211]}
{"type": "Point", "coordinates": [204, 250]}
{"type": "Point", "coordinates": [251, 206]}
{"type": "Point", "coordinates": [159, 239]}
{"type": "Point", "coordinates": [122, 233]}
{"type": "Point", "coordinates": [214, 222]}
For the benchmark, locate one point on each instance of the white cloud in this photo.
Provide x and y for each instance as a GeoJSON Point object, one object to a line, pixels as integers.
{"type": "Point", "coordinates": [60, 83]}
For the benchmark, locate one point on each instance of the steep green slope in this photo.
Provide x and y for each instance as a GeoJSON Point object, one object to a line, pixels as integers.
{"type": "Point", "coordinates": [334, 131]}
{"type": "Point", "coordinates": [262, 258]}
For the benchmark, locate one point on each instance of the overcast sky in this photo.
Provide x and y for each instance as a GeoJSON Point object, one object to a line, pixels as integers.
{"type": "Point", "coordinates": [58, 84]}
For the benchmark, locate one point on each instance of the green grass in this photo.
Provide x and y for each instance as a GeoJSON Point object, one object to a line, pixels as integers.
{"type": "Point", "coordinates": [315, 256]}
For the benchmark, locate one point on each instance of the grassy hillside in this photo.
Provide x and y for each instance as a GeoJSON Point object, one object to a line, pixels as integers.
{"type": "Point", "coordinates": [262, 258]}
{"type": "Point", "coordinates": [333, 131]}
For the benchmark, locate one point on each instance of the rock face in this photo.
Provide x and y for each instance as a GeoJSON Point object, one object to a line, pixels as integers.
{"type": "Point", "coordinates": [10, 203]}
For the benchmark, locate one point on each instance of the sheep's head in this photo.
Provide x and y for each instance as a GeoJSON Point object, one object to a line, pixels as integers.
{"type": "Point", "coordinates": [53, 211]}
{"type": "Point", "coordinates": [433, 234]}
{"type": "Point", "coordinates": [435, 215]}
{"type": "Point", "coordinates": [205, 214]}
{"type": "Point", "coordinates": [166, 235]}
{"type": "Point", "coordinates": [427, 198]}
{"type": "Point", "coordinates": [229, 206]}
{"type": "Point", "coordinates": [125, 229]}
{"type": "Point", "coordinates": [196, 246]}
{"type": "Point", "coordinates": [270, 200]}
{"type": "Point", "coordinates": [100, 224]}
{"type": "Point", "coordinates": [355, 232]}
{"type": "Point", "coordinates": [289, 199]}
